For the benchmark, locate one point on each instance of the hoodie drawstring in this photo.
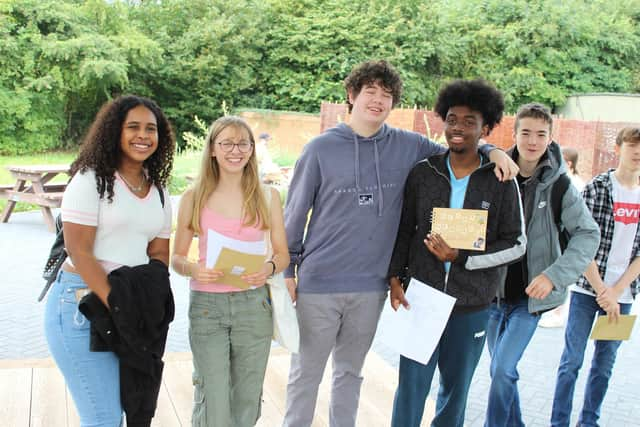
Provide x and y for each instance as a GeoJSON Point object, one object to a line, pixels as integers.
{"type": "Point", "coordinates": [377, 163]}
{"type": "Point", "coordinates": [357, 161]}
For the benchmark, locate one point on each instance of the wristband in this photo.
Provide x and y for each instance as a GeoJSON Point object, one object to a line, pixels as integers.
{"type": "Point", "coordinates": [274, 267]}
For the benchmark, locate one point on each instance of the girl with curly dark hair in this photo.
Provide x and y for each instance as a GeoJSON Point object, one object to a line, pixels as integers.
{"type": "Point", "coordinates": [114, 215]}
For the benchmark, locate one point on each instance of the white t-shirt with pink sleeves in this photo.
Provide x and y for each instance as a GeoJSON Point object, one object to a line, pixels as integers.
{"type": "Point", "coordinates": [125, 226]}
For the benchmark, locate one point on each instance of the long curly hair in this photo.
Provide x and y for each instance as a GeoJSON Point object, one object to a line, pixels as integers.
{"type": "Point", "coordinates": [255, 210]}
{"type": "Point", "coordinates": [101, 150]}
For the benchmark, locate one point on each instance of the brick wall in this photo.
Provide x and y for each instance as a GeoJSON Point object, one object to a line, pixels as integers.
{"type": "Point", "coordinates": [593, 140]}
{"type": "Point", "coordinates": [290, 131]}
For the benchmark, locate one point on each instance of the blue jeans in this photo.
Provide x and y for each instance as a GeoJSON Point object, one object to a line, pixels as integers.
{"type": "Point", "coordinates": [582, 311]}
{"type": "Point", "coordinates": [457, 356]}
{"type": "Point", "coordinates": [93, 378]}
{"type": "Point", "coordinates": [509, 331]}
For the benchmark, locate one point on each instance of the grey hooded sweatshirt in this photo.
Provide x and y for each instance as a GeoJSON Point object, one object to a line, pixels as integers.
{"type": "Point", "coordinates": [347, 190]}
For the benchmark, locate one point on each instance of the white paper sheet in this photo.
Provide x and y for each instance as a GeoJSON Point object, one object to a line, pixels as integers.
{"type": "Point", "coordinates": [416, 331]}
{"type": "Point", "coordinates": [216, 241]}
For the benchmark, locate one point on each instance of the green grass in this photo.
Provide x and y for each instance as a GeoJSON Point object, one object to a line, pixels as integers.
{"type": "Point", "coordinates": [185, 169]}
{"type": "Point", "coordinates": [185, 166]}
{"type": "Point", "coordinates": [56, 158]}
{"type": "Point", "coordinates": [283, 158]}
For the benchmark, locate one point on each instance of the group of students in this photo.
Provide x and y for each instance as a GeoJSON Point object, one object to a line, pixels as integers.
{"type": "Point", "coordinates": [356, 189]}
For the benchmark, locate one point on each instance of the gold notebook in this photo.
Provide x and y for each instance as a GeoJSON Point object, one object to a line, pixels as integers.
{"type": "Point", "coordinates": [461, 228]}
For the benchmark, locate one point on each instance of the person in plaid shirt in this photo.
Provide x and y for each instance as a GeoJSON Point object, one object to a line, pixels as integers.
{"type": "Point", "coordinates": [608, 286]}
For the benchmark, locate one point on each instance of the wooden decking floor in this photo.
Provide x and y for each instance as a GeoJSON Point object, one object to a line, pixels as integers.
{"type": "Point", "coordinates": [33, 394]}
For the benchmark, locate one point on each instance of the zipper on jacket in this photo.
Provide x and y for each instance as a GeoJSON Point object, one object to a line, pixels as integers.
{"type": "Point", "coordinates": [446, 178]}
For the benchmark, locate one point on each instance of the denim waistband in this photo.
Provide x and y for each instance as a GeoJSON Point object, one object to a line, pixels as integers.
{"type": "Point", "coordinates": [69, 278]}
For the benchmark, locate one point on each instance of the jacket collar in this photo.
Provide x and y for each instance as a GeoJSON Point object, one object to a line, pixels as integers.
{"type": "Point", "coordinates": [549, 165]}
{"type": "Point", "coordinates": [439, 162]}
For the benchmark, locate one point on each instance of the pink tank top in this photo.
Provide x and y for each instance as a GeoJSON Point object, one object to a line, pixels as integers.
{"type": "Point", "coordinates": [229, 227]}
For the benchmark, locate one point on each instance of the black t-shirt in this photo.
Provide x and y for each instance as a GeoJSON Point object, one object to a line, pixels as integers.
{"type": "Point", "coordinates": [517, 273]}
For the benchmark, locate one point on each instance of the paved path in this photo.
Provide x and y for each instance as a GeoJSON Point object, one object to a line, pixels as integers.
{"type": "Point", "coordinates": [25, 242]}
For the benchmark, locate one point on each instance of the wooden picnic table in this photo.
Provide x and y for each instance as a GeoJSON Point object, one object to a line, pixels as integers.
{"type": "Point", "coordinates": [32, 186]}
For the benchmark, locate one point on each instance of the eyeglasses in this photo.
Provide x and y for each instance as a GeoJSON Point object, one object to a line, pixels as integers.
{"type": "Point", "coordinates": [243, 146]}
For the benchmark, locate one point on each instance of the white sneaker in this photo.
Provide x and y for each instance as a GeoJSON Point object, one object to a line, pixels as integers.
{"type": "Point", "coordinates": [551, 321]}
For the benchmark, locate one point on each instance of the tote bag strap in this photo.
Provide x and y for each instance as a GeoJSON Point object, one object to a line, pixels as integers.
{"type": "Point", "coordinates": [266, 190]}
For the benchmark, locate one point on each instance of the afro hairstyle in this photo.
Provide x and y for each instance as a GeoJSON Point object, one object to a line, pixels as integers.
{"type": "Point", "coordinates": [478, 95]}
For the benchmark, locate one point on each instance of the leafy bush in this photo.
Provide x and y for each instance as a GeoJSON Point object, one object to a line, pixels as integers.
{"type": "Point", "coordinates": [60, 60]}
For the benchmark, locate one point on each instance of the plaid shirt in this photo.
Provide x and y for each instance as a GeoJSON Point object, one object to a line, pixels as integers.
{"type": "Point", "coordinates": [598, 196]}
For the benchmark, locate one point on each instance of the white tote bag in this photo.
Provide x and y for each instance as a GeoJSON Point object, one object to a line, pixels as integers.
{"type": "Point", "coordinates": [285, 319]}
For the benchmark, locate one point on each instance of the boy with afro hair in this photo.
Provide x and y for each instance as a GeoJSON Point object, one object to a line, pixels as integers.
{"type": "Point", "coordinates": [342, 212]}
{"type": "Point", "coordinates": [460, 178]}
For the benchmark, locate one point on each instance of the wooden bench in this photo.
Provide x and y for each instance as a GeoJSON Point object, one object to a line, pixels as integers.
{"type": "Point", "coordinates": [51, 200]}
{"type": "Point", "coordinates": [32, 186]}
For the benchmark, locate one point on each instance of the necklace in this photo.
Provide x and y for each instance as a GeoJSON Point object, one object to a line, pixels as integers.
{"type": "Point", "coordinates": [131, 187]}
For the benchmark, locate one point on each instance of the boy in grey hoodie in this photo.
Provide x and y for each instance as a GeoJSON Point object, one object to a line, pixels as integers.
{"type": "Point", "coordinates": [347, 192]}
{"type": "Point", "coordinates": [539, 281]}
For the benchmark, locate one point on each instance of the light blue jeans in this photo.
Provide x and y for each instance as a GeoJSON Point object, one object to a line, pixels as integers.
{"type": "Point", "coordinates": [93, 378]}
{"type": "Point", "coordinates": [582, 311]}
{"type": "Point", "coordinates": [509, 332]}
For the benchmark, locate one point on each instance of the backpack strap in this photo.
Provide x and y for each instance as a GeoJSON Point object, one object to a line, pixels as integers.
{"type": "Point", "coordinates": [266, 190]}
{"type": "Point", "coordinates": [557, 193]}
{"type": "Point", "coordinates": [161, 194]}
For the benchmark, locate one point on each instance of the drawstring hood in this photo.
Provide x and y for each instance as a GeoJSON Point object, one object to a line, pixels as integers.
{"type": "Point", "coordinates": [376, 156]}
{"type": "Point", "coordinates": [356, 145]}
{"type": "Point", "coordinates": [379, 182]}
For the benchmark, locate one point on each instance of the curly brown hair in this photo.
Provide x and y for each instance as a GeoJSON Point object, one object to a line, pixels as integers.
{"type": "Point", "coordinates": [374, 71]}
{"type": "Point", "coordinates": [101, 150]}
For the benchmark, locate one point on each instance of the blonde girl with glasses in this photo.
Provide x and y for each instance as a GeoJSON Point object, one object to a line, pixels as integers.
{"type": "Point", "coordinates": [230, 327]}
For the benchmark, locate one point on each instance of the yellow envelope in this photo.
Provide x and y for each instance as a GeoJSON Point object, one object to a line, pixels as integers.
{"type": "Point", "coordinates": [621, 331]}
{"type": "Point", "coordinates": [461, 228]}
{"type": "Point", "coordinates": [234, 264]}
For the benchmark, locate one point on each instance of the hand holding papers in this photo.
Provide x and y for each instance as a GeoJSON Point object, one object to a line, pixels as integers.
{"type": "Point", "coordinates": [417, 331]}
{"type": "Point", "coordinates": [234, 257]}
{"type": "Point", "coordinates": [461, 228]}
{"type": "Point", "coordinates": [620, 331]}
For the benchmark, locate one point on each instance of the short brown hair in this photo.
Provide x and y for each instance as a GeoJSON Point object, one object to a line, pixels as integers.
{"type": "Point", "coordinates": [628, 134]}
{"type": "Point", "coordinates": [534, 110]}
{"type": "Point", "coordinates": [374, 71]}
